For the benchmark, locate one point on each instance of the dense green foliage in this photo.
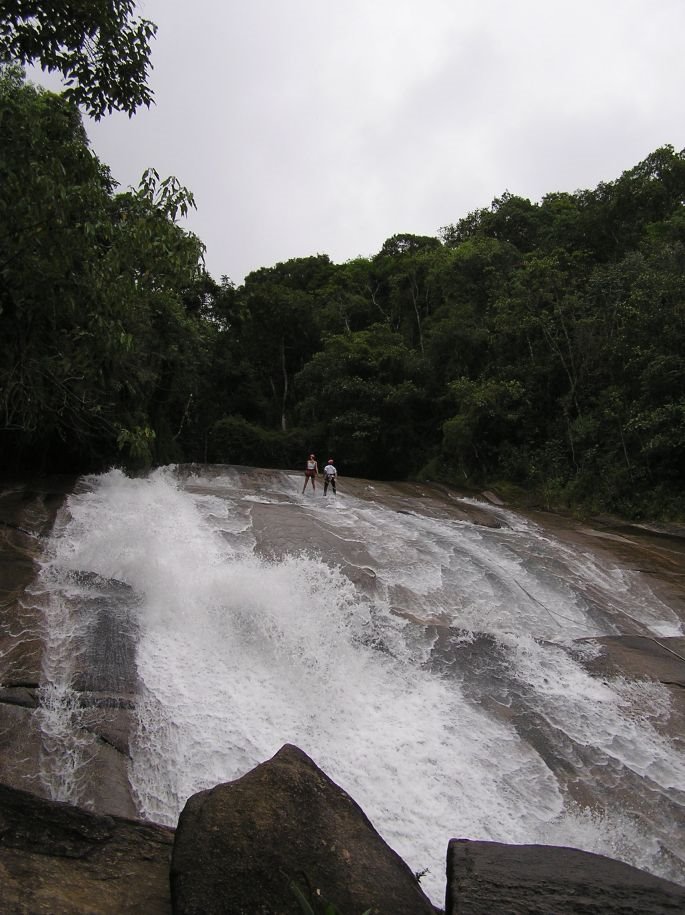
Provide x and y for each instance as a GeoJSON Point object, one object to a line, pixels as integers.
{"type": "Point", "coordinates": [535, 344]}
{"type": "Point", "coordinates": [101, 294]}
{"type": "Point", "coordinates": [99, 48]}
{"type": "Point", "coordinates": [541, 345]}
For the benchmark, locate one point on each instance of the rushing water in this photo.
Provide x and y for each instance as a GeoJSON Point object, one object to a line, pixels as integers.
{"type": "Point", "coordinates": [423, 662]}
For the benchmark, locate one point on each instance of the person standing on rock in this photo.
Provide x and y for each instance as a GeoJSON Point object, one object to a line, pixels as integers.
{"type": "Point", "coordinates": [330, 475]}
{"type": "Point", "coordinates": [310, 472]}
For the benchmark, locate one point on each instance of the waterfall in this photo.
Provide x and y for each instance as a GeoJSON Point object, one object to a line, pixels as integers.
{"type": "Point", "coordinates": [427, 664]}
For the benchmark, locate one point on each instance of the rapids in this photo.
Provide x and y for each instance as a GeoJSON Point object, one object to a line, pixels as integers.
{"type": "Point", "coordinates": [425, 662]}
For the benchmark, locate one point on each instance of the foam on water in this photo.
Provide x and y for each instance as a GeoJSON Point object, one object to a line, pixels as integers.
{"type": "Point", "coordinates": [238, 655]}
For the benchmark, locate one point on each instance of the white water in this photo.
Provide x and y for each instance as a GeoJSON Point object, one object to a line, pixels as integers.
{"type": "Point", "coordinates": [490, 737]}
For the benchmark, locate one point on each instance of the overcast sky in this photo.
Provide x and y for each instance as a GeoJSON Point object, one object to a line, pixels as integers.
{"type": "Point", "coordinates": [313, 126]}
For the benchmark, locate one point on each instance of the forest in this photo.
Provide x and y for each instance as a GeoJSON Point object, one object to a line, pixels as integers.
{"type": "Point", "coordinates": [538, 347]}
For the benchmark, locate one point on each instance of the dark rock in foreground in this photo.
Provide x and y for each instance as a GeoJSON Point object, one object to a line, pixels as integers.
{"type": "Point", "coordinates": [238, 846]}
{"type": "Point", "coordinates": [66, 861]}
{"type": "Point", "coordinates": [490, 878]}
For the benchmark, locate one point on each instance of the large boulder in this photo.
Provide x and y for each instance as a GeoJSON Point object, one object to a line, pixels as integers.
{"type": "Point", "coordinates": [239, 845]}
{"type": "Point", "coordinates": [66, 861]}
{"type": "Point", "coordinates": [490, 878]}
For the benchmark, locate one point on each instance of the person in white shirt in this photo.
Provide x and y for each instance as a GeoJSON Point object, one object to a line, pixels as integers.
{"type": "Point", "coordinates": [329, 476]}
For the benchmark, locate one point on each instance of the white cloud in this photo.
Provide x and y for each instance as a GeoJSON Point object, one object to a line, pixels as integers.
{"type": "Point", "coordinates": [313, 126]}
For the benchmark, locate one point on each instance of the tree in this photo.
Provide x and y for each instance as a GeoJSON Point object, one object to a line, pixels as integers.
{"type": "Point", "coordinates": [408, 244]}
{"type": "Point", "coordinates": [405, 266]}
{"type": "Point", "coordinates": [488, 414]}
{"type": "Point", "coordinates": [53, 197]}
{"type": "Point", "coordinates": [149, 275]}
{"type": "Point", "coordinates": [99, 48]}
{"type": "Point", "coordinates": [280, 332]}
{"type": "Point", "coordinates": [509, 219]}
{"type": "Point", "coordinates": [98, 349]}
{"type": "Point", "coordinates": [364, 391]}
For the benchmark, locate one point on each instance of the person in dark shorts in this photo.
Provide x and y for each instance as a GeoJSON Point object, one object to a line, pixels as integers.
{"type": "Point", "coordinates": [330, 475]}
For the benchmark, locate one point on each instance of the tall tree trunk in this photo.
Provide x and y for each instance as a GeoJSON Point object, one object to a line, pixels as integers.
{"type": "Point", "coordinates": [414, 289]}
{"type": "Point", "coordinates": [285, 386]}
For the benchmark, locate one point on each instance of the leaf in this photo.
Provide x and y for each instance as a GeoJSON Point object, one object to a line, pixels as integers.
{"type": "Point", "coordinates": [299, 895]}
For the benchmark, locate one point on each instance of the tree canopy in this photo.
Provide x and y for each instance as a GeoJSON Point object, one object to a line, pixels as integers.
{"type": "Point", "coordinates": [96, 336]}
{"type": "Point", "coordinates": [101, 50]}
{"type": "Point", "coordinates": [538, 345]}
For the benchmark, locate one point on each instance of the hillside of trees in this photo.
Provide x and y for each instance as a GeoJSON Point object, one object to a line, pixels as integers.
{"type": "Point", "coordinates": [535, 345]}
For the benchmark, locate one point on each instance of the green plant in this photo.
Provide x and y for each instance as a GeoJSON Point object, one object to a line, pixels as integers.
{"type": "Point", "coordinates": [323, 908]}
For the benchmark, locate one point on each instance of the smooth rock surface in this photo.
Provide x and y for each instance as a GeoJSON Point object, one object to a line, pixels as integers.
{"type": "Point", "coordinates": [106, 681]}
{"type": "Point", "coordinates": [490, 878]}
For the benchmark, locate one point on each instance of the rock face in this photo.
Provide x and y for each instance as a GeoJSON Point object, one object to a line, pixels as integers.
{"type": "Point", "coordinates": [59, 859]}
{"type": "Point", "coordinates": [26, 517]}
{"type": "Point", "coordinates": [240, 844]}
{"type": "Point", "coordinates": [489, 878]}
{"type": "Point", "coordinates": [106, 683]}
